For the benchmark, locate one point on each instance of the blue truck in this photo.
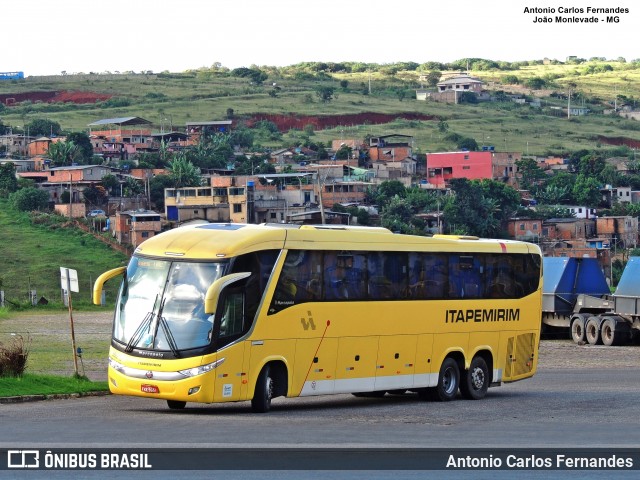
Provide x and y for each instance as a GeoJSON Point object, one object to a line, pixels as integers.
{"type": "Point", "coordinates": [576, 296]}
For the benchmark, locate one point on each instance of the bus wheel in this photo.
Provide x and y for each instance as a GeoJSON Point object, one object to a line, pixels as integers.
{"type": "Point", "coordinates": [261, 401]}
{"type": "Point", "coordinates": [176, 404]}
{"type": "Point", "coordinates": [577, 329]}
{"type": "Point", "coordinates": [448, 382]}
{"type": "Point", "coordinates": [475, 383]}
{"type": "Point", "coordinates": [592, 331]}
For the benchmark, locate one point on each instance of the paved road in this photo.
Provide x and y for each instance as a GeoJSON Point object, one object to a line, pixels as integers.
{"type": "Point", "coordinates": [557, 408]}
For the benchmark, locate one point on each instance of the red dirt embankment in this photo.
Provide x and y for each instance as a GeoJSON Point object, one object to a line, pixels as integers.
{"type": "Point", "coordinates": [618, 141]}
{"type": "Point", "coordinates": [321, 122]}
{"type": "Point", "coordinates": [62, 96]}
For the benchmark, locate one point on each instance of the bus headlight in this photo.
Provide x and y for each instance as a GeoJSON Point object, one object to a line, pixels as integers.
{"type": "Point", "coordinates": [195, 371]}
{"type": "Point", "coordinates": [118, 367]}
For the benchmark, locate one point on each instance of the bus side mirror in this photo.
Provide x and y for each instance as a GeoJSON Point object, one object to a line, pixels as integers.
{"type": "Point", "coordinates": [213, 293]}
{"type": "Point", "coordinates": [102, 279]}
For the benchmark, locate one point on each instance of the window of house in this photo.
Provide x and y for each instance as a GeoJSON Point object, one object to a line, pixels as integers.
{"type": "Point", "coordinates": [195, 212]}
{"type": "Point", "coordinates": [273, 215]}
{"type": "Point", "coordinates": [237, 208]}
{"type": "Point", "coordinates": [467, 167]}
{"type": "Point", "coordinates": [535, 226]}
{"type": "Point", "coordinates": [466, 157]}
{"type": "Point", "coordinates": [522, 226]}
{"type": "Point", "coordinates": [145, 234]}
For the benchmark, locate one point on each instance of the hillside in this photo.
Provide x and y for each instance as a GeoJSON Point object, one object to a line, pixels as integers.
{"type": "Point", "coordinates": [34, 248]}
{"type": "Point", "coordinates": [172, 99]}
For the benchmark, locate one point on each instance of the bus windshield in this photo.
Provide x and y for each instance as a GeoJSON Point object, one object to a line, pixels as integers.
{"type": "Point", "coordinates": [161, 304]}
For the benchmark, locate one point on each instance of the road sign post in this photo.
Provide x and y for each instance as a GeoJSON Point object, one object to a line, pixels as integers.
{"type": "Point", "coordinates": [69, 281]}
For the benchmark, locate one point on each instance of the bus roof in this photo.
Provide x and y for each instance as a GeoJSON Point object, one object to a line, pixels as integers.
{"type": "Point", "coordinates": [225, 240]}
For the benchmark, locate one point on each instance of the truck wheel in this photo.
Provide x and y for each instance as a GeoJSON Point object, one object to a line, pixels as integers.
{"type": "Point", "coordinates": [614, 332]}
{"type": "Point", "coordinates": [578, 330]}
{"type": "Point", "coordinates": [592, 331]}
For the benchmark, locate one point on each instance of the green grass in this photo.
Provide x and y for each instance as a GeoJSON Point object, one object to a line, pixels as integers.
{"type": "Point", "coordinates": [34, 252]}
{"type": "Point", "coordinates": [202, 95]}
{"type": "Point", "coordinates": [30, 384]}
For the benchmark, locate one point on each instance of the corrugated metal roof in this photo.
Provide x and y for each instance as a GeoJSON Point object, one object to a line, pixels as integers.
{"type": "Point", "coordinates": [121, 121]}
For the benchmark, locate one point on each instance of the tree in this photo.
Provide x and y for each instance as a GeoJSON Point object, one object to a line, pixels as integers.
{"type": "Point", "coordinates": [212, 151]}
{"type": "Point", "coordinates": [110, 183]}
{"type": "Point", "coordinates": [480, 206]}
{"type": "Point", "coordinates": [389, 189]}
{"type": "Point", "coordinates": [530, 173]}
{"type": "Point", "coordinates": [8, 180]}
{"type": "Point", "coordinates": [95, 195]}
{"type": "Point", "coordinates": [183, 173]}
{"type": "Point", "coordinates": [586, 191]}
{"type": "Point", "coordinates": [62, 153]}
{"type": "Point", "coordinates": [84, 148]}
{"type": "Point", "coordinates": [325, 94]}
{"type": "Point", "coordinates": [43, 127]}
{"type": "Point", "coordinates": [29, 199]}
{"type": "Point", "coordinates": [468, 144]}
{"type": "Point", "coordinates": [397, 216]}
{"type": "Point", "coordinates": [132, 187]}
{"type": "Point", "coordinates": [156, 189]}
{"type": "Point", "coordinates": [433, 77]}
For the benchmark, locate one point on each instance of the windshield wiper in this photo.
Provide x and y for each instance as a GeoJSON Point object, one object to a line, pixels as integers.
{"type": "Point", "coordinates": [167, 332]}
{"type": "Point", "coordinates": [146, 322]}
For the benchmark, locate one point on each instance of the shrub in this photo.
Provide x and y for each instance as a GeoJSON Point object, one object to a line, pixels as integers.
{"type": "Point", "coordinates": [13, 357]}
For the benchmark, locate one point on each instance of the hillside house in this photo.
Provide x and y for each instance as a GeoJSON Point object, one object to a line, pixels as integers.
{"type": "Point", "coordinates": [390, 148]}
{"type": "Point", "coordinates": [443, 166]}
{"type": "Point", "coordinates": [526, 229]}
{"type": "Point", "coordinates": [133, 227]}
{"type": "Point", "coordinates": [460, 83]}
{"type": "Point", "coordinates": [621, 230]}
{"type": "Point", "coordinates": [555, 229]}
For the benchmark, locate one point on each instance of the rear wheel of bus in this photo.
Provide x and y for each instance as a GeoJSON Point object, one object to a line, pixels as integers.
{"type": "Point", "coordinates": [448, 382]}
{"type": "Point", "coordinates": [476, 380]}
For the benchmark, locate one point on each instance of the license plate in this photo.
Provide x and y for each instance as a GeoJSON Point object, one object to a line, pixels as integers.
{"type": "Point", "coordinates": [149, 389]}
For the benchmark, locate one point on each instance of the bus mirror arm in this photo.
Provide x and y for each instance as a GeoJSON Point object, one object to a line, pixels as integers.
{"type": "Point", "coordinates": [213, 292]}
{"type": "Point", "coordinates": [101, 280]}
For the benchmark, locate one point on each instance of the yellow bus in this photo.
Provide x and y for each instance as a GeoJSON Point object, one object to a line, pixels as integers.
{"type": "Point", "coordinates": [234, 312]}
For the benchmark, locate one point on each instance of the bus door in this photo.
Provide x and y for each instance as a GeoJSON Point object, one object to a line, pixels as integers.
{"type": "Point", "coordinates": [231, 323]}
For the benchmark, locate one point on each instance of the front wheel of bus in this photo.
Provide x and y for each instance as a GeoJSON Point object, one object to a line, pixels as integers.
{"type": "Point", "coordinates": [176, 404]}
{"type": "Point", "coordinates": [261, 401]}
{"type": "Point", "coordinates": [476, 380]}
{"type": "Point", "coordinates": [448, 382]}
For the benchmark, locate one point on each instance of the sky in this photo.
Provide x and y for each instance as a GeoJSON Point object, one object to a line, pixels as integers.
{"type": "Point", "coordinates": [45, 37]}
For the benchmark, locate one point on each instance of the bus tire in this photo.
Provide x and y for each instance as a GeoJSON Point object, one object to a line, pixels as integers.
{"type": "Point", "coordinates": [448, 382]}
{"type": "Point", "coordinates": [176, 404]}
{"type": "Point", "coordinates": [261, 401]}
{"type": "Point", "coordinates": [592, 331]}
{"type": "Point", "coordinates": [578, 329]}
{"type": "Point", "coordinates": [476, 380]}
